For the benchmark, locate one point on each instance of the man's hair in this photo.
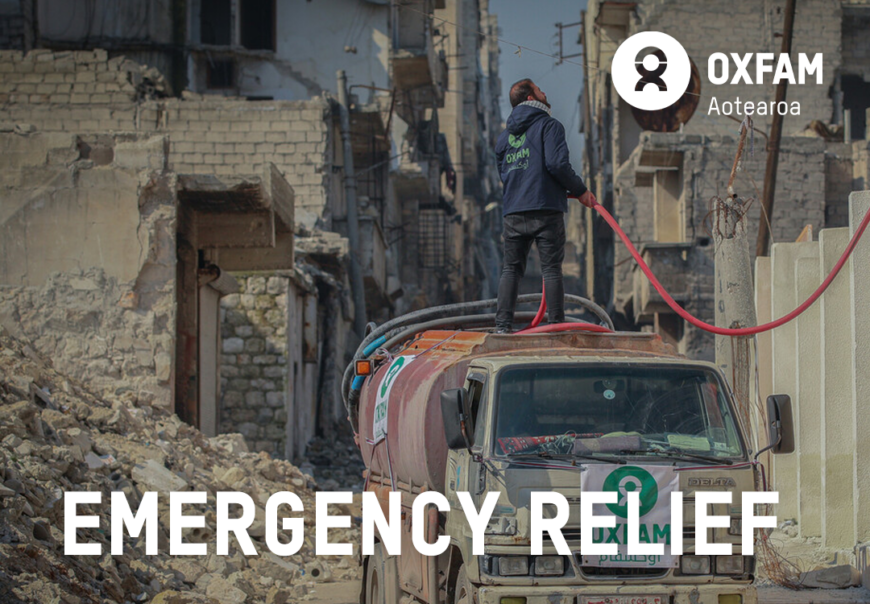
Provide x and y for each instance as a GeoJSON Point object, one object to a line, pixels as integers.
{"type": "Point", "coordinates": [520, 92]}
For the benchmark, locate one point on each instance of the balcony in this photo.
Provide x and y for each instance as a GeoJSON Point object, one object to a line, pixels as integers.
{"type": "Point", "coordinates": [415, 65]}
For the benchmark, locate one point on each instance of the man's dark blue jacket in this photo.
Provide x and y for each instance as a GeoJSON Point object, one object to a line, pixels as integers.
{"type": "Point", "coordinates": [533, 163]}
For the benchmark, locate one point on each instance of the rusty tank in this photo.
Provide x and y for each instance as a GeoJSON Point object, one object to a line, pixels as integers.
{"type": "Point", "coordinates": [415, 446]}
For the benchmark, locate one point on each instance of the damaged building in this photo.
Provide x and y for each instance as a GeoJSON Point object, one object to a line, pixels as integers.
{"type": "Point", "coordinates": [657, 172]}
{"type": "Point", "coordinates": [174, 200]}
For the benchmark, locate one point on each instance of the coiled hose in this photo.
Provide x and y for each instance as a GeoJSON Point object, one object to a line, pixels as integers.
{"type": "Point", "coordinates": [447, 311]}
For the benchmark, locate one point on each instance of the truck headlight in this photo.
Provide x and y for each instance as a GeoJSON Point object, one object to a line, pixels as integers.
{"type": "Point", "coordinates": [695, 565]}
{"type": "Point", "coordinates": [510, 566]}
{"type": "Point", "coordinates": [729, 565]}
{"type": "Point", "coordinates": [549, 566]}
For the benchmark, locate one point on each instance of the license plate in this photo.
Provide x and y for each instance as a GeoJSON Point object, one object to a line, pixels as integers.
{"type": "Point", "coordinates": [623, 599]}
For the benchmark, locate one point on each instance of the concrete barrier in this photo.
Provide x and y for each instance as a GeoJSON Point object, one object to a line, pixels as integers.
{"type": "Point", "coordinates": [808, 401]}
{"type": "Point", "coordinates": [784, 256]}
{"type": "Point", "coordinates": [838, 419]}
{"type": "Point", "coordinates": [859, 205]}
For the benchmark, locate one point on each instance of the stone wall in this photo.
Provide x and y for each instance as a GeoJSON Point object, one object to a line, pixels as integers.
{"type": "Point", "coordinates": [87, 259]}
{"type": "Point", "coordinates": [698, 26]}
{"type": "Point", "coordinates": [254, 361]}
{"type": "Point", "coordinates": [85, 92]}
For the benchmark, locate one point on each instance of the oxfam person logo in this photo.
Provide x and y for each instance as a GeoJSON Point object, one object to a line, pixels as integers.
{"type": "Point", "coordinates": [651, 70]}
{"type": "Point", "coordinates": [628, 479]}
{"type": "Point", "coordinates": [517, 141]}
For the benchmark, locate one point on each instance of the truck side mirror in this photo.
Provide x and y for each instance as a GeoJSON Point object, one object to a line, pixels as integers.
{"type": "Point", "coordinates": [780, 423]}
{"type": "Point", "coordinates": [458, 423]}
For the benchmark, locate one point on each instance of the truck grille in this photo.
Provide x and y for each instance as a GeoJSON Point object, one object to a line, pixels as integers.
{"type": "Point", "coordinates": [618, 573]}
{"type": "Point", "coordinates": [569, 533]}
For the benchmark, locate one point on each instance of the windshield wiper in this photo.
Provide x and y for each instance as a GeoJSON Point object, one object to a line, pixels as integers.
{"type": "Point", "coordinates": [677, 453]}
{"type": "Point", "coordinates": [614, 459]}
{"type": "Point", "coordinates": [548, 455]}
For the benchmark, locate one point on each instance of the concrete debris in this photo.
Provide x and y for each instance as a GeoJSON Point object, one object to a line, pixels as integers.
{"type": "Point", "coordinates": [834, 577]}
{"type": "Point", "coordinates": [90, 443]}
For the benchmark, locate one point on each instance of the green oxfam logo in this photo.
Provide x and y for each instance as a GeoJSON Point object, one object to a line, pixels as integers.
{"type": "Point", "coordinates": [391, 375]}
{"type": "Point", "coordinates": [517, 141]}
{"type": "Point", "coordinates": [626, 480]}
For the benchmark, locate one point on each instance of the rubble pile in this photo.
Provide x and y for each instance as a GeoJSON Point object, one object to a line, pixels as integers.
{"type": "Point", "coordinates": [55, 436]}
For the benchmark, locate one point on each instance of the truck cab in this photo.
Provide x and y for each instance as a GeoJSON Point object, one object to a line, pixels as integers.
{"type": "Point", "coordinates": [558, 423]}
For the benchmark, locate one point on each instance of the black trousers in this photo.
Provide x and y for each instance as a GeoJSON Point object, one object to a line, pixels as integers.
{"type": "Point", "coordinates": [546, 228]}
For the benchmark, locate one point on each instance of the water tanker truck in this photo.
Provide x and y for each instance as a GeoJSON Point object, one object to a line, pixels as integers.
{"type": "Point", "coordinates": [441, 403]}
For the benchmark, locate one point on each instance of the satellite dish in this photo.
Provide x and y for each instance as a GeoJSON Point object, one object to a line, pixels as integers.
{"type": "Point", "coordinates": [671, 118]}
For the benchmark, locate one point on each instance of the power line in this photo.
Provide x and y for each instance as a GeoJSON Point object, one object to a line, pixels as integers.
{"type": "Point", "coordinates": [520, 48]}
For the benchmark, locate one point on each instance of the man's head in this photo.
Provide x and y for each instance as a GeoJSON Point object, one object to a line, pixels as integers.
{"type": "Point", "coordinates": [527, 90]}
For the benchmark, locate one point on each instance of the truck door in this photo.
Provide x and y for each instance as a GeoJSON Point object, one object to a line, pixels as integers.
{"type": "Point", "coordinates": [476, 384]}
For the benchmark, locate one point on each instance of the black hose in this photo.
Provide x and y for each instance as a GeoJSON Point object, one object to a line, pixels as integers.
{"type": "Point", "coordinates": [444, 311]}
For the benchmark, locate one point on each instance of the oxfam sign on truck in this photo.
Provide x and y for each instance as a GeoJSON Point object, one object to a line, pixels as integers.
{"type": "Point", "coordinates": [654, 485]}
{"type": "Point", "coordinates": [382, 402]}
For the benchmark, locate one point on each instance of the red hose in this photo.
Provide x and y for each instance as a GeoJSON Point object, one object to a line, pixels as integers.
{"type": "Point", "coordinates": [541, 309]}
{"type": "Point", "coordinates": [724, 331]}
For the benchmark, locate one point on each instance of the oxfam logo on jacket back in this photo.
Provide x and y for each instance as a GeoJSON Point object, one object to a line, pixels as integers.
{"type": "Point", "coordinates": [517, 141]}
{"type": "Point", "coordinates": [519, 159]}
{"type": "Point", "coordinates": [651, 70]}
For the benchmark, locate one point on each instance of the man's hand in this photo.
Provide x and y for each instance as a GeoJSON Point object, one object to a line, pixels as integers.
{"type": "Point", "coordinates": [587, 199]}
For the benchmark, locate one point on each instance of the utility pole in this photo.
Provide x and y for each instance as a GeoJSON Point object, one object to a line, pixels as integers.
{"type": "Point", "coordinates": [775, 138]}
{"type": "Point", "coordinates": [356, 277]}
{"type": "Point", "coordinates": [734, 295]}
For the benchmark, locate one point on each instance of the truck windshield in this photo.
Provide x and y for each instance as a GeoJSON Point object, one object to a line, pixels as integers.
{"type": "Point", "coordinates": [614, 411]}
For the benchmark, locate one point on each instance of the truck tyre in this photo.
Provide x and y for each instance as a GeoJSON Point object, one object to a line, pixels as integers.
{"type": "Point", "coordinates": [462, 593]}
{"type": "Point", "coordinates": [375, 575]}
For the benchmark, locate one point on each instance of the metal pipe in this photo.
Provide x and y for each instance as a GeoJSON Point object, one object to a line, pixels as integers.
{"type": "Point", "coordinates": [356, 277]}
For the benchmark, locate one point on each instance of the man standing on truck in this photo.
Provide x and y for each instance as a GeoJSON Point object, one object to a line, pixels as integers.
{"type": "Point", "coordinates": [537, 175]}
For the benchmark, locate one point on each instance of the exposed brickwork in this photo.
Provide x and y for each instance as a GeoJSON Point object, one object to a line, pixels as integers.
{"type": "Point", "coordinates": [85, 92]}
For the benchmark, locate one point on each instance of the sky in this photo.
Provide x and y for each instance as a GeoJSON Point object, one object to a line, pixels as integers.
{"type": "Point", "coordinates": [531, 23]}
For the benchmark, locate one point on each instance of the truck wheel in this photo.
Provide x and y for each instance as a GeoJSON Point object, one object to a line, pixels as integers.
{"type": "Point", "coordinates": [462, 593]}
{"type": "Point", "coordinates": [375, 584]}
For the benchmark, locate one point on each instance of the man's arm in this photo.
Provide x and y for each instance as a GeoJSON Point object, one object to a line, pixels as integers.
{"type": "Point", "coordinates": [557, 161]}
{"type": "Point", "coordinates": [499, 152]}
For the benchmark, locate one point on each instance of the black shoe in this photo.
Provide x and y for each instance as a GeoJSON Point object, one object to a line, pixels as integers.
{"type": "Point", "coordinates": [503, 330]}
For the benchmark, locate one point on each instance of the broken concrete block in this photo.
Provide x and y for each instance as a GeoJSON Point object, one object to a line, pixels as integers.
{"type": "Point", "coordinates": [189, 570]}
{"type": "Point", "coordinates": [233, 443]}
{"type": "Point", "coordinates": [834, 577]}
{"type": "Point", "coordinates": [317, 571]}
{"type": "Point", "coordinates": [153, 476]}
{"type": "Point", "coordinates": [221, 590]}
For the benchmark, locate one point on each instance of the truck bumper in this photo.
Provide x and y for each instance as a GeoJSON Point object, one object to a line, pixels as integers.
{"type": "Point", "coordinates": [670, 594]}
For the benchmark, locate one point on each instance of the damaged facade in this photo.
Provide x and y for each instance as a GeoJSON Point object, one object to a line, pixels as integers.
{"type": "Point", "coordinates": [187, 241]}
{"type": "Point", "coordinates": [658, 172]}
